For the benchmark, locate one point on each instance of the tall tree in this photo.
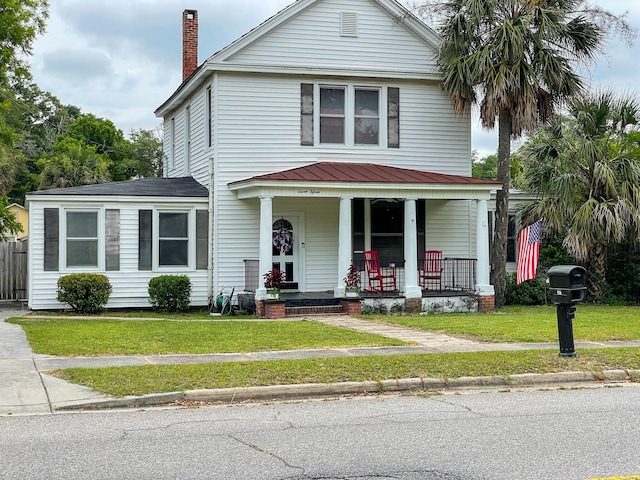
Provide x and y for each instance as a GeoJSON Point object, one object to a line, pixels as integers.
{"type": "Point", "coordinates": [517, 59]}
{"type": "Point", "coordinates": [21, 21]}
{"type": "Point", "coordinates": [102, 134]}
{"type": "Point", "coordinates": [146, 152]}
{"type": "Point", "coordinates": [73, 165]}
{"type": "Point", "coordinates": [585, 169]}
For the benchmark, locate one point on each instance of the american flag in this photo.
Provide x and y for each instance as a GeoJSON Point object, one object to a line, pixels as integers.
{"type": "Point", "coordinates": [528, 252]}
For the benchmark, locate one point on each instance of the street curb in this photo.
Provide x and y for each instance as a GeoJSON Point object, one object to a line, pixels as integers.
{"type": "Point", "coordinates": [318, 390]}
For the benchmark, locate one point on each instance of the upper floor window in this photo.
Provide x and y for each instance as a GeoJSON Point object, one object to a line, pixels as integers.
{"type": "Point", "coordinates": [349, 115]}
{"type": "Point", "coordinates": [172, 142]}
{"type": "Point", "coordinates": [209, 127]}
{"type": "Point", "coordinates": [367, 117]}
{"type": "Point", "coordinates": [187, 129]}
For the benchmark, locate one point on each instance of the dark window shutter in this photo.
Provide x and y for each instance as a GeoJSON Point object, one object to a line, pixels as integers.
{"type": "Point", "coordinates": [51, 239]}
{"type": "Point", "coordinates": [145, 239]}
{"type": "Point", "coordinates": [306, 114]}
{"type": "Point", "coordinates": [112, 240]}
{"type": "Point", "coordinates": [202, 239]}
{"type": "Point", "coordinates": [393, 117]}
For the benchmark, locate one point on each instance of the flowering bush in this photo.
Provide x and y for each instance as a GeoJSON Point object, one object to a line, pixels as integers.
{"type": "Point", "coordinates": [352, 279]}
{"type": "Point", "coordinates": [273, 281]}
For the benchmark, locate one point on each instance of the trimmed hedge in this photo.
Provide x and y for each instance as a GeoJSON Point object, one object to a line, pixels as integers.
{"type": "Point", "coordinates": [86, 293]}
{"type": "Point", "coordinates": [170, 293]}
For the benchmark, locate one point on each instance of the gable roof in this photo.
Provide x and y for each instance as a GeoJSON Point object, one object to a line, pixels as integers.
{"type": "Point", "coordinates": [366, 173]}
{"type": "Point", "coordinates": [220, 60]}
{"type": "Point", "coordinates": [141, 187]}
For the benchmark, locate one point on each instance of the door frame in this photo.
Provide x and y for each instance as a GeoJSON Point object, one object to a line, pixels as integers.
{"type": "Point", "coordinates": [298, 242]}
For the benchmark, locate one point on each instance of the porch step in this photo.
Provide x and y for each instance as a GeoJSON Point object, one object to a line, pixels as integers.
{"type": "Point", "coordinates": [301, 311]}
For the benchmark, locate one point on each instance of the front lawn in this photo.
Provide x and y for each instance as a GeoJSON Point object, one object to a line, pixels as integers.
{"type": "Point", "coordinates": [530, 324]}
{"type": "Point", "coordinates": [121, 381]}
{"type": "Point", "coordinates": [73, 337]}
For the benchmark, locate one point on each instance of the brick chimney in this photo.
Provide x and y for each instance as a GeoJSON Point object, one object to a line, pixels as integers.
{"type": "Point", "coordinates": [189, 42]}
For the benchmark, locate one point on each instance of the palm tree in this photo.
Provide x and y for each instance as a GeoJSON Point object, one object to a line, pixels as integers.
{"type": "Point", "coordinates": [75, 166]}
{"type": "Point", "coordinates": [517, 59]}
{"type": "Point", "coordinates": [585, 169]}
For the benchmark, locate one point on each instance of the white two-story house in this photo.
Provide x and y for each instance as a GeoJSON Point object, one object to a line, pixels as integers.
{"type": "Point", "coordinates": [318, 135]}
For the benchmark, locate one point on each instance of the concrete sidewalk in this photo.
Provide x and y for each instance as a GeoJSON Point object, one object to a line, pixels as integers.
{"type": "Point", "coordinates": [25, 389]}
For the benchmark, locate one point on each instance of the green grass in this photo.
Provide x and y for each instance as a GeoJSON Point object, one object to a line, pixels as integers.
{"type": "Point", "coordinates": [69, 337]}
{"type": "Point", "coordinates": [121, 381]}
{"type": "Point", "coordinates": [530, 324]}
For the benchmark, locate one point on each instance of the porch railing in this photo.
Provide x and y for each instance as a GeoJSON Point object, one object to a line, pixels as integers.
{"type": "Point", "coordinates": [459, 274]}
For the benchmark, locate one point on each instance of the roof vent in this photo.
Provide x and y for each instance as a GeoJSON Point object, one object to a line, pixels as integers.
{"type": "Point", "coordinates": [349, 24]}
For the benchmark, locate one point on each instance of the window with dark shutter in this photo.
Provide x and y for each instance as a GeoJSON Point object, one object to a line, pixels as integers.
{"type": "Point", "coordinates": [306, 114]}
{"type": "Point", "coordinates": [202, 239]}
{"type": "Point", "coordinates": [51, 239]}
{"type": "Point", "coordinates": [393, 117]}
{"type": "Point", "coordinates": [112, 240]}
{"type": "Point", "coordinates": [145, 239]}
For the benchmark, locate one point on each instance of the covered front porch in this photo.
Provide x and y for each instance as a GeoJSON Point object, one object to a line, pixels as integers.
{"type": "Point", "coordinates": [358, 188]}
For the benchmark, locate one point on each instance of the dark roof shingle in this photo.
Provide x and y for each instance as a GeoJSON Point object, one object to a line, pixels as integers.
{"type": "Point", "coordinates": [141, 187]}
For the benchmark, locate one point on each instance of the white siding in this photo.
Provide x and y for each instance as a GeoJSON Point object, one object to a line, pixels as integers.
{"type": "Point", "coordinates": [129, 284]}
{"type": "Point", "coordinates": [312, 39]}
{"type": "Point", "coordinates": [450, 228]}
{"type": "Point", "coordinates": [259, 132]}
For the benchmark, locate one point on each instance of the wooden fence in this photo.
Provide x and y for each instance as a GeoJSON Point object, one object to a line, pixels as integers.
{"type": "Point", "coordinates": [13, 270]}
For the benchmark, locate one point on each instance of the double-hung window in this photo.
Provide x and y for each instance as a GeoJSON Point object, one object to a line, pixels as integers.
{"type": "Point", "coordinates": [82, 238]}
{"type": "Point", "coordinates": [332, 115]}
{"type": "Point", "coordinates": [173, 239]}
{"type": "Point", "coordinates": [350, 115]}
{"type": "Point", "coordinates": [367, 117]}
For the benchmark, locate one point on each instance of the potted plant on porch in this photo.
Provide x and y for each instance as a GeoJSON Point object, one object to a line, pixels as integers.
{"type": "Point", "coordinates": [352, 282]}
{"type": "Point", "coordinates": [273, 281]}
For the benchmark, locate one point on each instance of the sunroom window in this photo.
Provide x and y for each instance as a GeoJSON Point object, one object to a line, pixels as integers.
{"type": "Point", "coordinates": [173, 239]}
{"type": "Point", "coordinates": [82, 239]}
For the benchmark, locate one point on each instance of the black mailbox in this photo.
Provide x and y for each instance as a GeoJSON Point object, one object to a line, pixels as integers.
{"type": "Point", "coordinates": [568, 284]}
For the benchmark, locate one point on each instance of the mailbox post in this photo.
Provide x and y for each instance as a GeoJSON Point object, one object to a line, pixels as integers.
{"type": "Point", "coordinates": [568, 285]}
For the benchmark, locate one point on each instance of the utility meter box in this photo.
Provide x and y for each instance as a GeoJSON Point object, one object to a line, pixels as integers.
{"type": "Point", "coordinates": [568, 284]}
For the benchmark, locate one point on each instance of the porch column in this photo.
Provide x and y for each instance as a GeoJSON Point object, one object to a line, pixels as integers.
{"type": "Point", "coordinates": [411, 287]}
{"type": "Point", "coordinates": [344, 244]}
{"type": "Point", "coordinates": [266, 222]}
{"type": "Point", "coordinates": [483, 286]}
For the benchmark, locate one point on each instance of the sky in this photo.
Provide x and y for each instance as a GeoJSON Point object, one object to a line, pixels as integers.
{"type": "Point", "coordinates": [120, 59]}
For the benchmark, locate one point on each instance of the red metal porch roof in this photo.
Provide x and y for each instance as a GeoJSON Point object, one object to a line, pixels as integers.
{"type": "Point", "coordinates": [366, 173]}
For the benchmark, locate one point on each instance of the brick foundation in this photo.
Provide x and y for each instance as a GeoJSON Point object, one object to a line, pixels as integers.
{"type": "Point", "coordinates": [486, 303]}
{"type": "Point", "coordinates": [270, 309]}
{"type": "Point", "coordinates": [351, 307]}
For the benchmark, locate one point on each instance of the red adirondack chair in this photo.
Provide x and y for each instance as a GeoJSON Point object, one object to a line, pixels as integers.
{"type": "Point", "coordinates": [431, 272]}
{"type": "Point", "coordinates": [380, 279]}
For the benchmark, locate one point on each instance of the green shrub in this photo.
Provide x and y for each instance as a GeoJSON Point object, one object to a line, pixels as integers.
{"type": "Point", "coordinates": [531, 292]}
{"type": "Point", "coordinates": [170, 293]}
{"type": "Point", "coordinates": [87, 293]}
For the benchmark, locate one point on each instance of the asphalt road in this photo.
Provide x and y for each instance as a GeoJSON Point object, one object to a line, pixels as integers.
{"type": "Point", "coordinates": [552, 434]}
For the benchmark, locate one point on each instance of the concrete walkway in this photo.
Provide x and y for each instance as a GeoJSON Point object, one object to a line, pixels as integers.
{"type": "Point", "coordinates": [26, 389]}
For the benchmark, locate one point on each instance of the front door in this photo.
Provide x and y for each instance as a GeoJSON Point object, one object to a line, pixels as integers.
{"type": "Point", "coordinates": [286, 248]}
